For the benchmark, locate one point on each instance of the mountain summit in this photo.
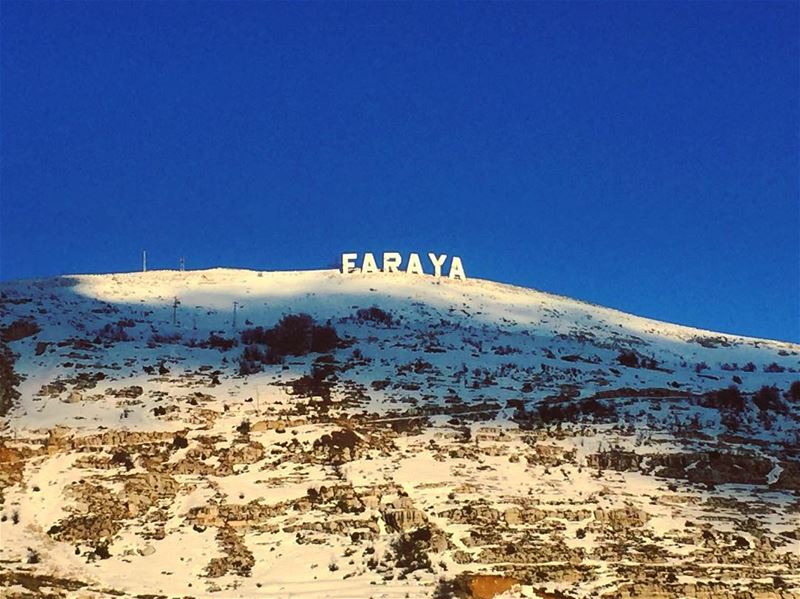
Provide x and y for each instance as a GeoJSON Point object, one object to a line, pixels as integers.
{"type": "Point", "coordinates": [233, 433]}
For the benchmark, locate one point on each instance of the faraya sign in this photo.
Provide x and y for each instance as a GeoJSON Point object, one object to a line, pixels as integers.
{"type": "Point", "coordinates": [393, 262]}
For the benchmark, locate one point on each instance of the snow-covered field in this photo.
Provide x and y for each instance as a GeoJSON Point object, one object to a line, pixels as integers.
{"type": "Point", "coordinates": [460, 430]}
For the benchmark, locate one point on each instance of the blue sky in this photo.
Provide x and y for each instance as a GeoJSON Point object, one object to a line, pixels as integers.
{"type": "Point", "coordinates": [639, 155]}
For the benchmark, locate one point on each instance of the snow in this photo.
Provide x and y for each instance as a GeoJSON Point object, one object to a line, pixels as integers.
{"type": "Point", "coordinates": [475, 344]}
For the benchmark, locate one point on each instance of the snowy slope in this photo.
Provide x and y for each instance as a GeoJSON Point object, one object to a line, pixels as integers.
{"type": "Point", "coordinates": [497, 420]}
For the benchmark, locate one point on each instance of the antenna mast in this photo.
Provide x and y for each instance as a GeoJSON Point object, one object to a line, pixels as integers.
{"type": "Point", "coordinates": [144, 260]}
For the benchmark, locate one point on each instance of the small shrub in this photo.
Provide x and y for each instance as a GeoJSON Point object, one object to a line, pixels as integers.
{"type": "Point", "coordinates": [122, 458]}
{"type": "Point", "coordinates": [628, 358]}
{"type": "Point", "coordinates": [794, 391]}
{"type": "Point", "coordinates": [220, 343]}
{"type": "Point", "coordinates": [376, 315]}
{"type": "Point", "coordinates": [768, 398]}
{"type": "Point", "coordinates": [649, 363]}
{"type": "Point", "coordinates": [774, 367]}
{"type": "Point", "coordinates": [112, 333]}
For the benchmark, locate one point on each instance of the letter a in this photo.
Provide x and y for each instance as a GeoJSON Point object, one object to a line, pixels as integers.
{"type": "Point", "coordinates": [437, 263]}
{"type": "Point", "coordinates": [391, 261]}
{"type": "Point", "coordinates": [457, 269]}
{"type": "Point", "coordinates": [368, 266]}
{"type": "Point", "coordinates": [414, 265]}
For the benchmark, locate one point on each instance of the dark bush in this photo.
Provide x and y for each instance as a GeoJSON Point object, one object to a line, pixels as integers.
{"type": "Point", "coordinates": [9, 379]}
{"type": "Point", "coordinates": [592, 407]}
{"type": "Point", "coordinates": [102, 552]}
{"type": "Point", "coordinates": [122, 458]}
{"type": "Point", "coordinates": [724, 399]}
{"type": "Point", "coordinates": [180, 442]}
{"type": "Point", "coordinates": [376, 315]}
{"type": "Point", "coordinates": [794, 391]}
{"type": "Point", "coordinates": [570, 411]}
{"type": "Point", "coordinates": [749, 367]}
{"type": "Point", "coordinates": [628, 358]}
{"type": "Point", "coordinates": [220, 343]}
{"type": "Point", "coordinates": [323, 339]}
{"type": "Point", "coordinates": [244, 427]}
{"type": "Point", "coordinates": [768, 398]}
{"type": "Point", "coordinates": [19, 329]}
{"type": "Point", "coordinates": [774, 367]}
{"type": "Point", "coordinates": [313, 385]}
{"type": "Point", "coordinates": [294, 335]}
{"type": "Point", "coordinates": [254, 335]}
{"type": "Point", "coordinates": [649, 363]}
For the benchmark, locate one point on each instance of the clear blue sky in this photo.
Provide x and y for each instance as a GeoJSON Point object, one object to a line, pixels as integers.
{"type": "Point", "coordinates": [642, 156]}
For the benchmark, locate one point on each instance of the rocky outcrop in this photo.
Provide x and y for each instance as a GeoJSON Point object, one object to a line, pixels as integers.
{"type": "Point", "coordinates": [713, 467]}
{"type": "Point", "coordinates": [339, 447]}
{"type": "Point", "coordinates": [789, 478]}
{"type": "Point", "coordinates": [621, 518]}
{"type": "Point", "coordinates": [401, 515]}
{"type": "Point", "coordinates": [238, 559]}
{"type": "Point", "coordinates": [621, 461]}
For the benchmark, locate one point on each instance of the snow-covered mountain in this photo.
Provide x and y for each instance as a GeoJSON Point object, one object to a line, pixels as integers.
{"type": "Point", "coordinates": [190, 434]}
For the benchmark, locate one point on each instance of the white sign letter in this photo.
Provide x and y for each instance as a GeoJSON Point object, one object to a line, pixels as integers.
{"type": "Point", "coordinates": [414, 265]}
{"type": "Point", "coordinates": [457, 269]}
{"type": "Point", "coordinates": [348, 263]}
{"type": "Point", "coordinates": [437, 263]}
{"type": "Point", "coordinates": [368, 266]}
{"type": "Point", "coordinates": [391, 261]}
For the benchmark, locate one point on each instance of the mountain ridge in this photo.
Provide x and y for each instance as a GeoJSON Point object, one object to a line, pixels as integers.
{"type": "Point", "coordinates": [410, 436]}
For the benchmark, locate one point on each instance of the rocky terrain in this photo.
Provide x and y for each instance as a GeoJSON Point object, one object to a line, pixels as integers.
{"type": "Point", "coordinates": [230, 433]}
